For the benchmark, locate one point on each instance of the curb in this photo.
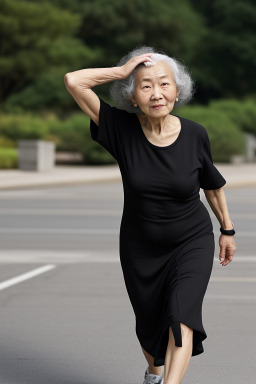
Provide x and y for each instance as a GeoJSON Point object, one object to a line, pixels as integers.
{"type": "Point", "coordinates": [234, 184]}
{"type": "Point", "coordinates": [65, 183]}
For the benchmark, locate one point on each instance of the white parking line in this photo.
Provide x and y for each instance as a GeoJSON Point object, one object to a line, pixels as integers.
{"type": "Point", "coordinates": [60, 212]}
{"type": "Point", "coordinates": [240, 259]}
{"type": "Point", "coordinates": [26, 276]}
{"type": "Point", "coordinates": [48, 256]}
{"type": "Point", "coordinates": [82, 231]}
{"type": "Point", "coordinates": [237, 279]}
{"type": "Point", "coordinates": [231, 297]}
{"type": "Point", "coordinates": [91, 231]}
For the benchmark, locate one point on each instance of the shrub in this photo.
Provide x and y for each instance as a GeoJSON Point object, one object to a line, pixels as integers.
{"type": "Point", "coordinates": [74, 135]}
{"type": "Point", "coordinates": [8, 158]}
{"type": "Point", "coordinates": [5, 142]}
{"type": "Point", "coordinates": [225, 136]}
{"type": "Point", "coordinates": [16, 127]}
{"type": "Point", "coordinates": [242, 113]}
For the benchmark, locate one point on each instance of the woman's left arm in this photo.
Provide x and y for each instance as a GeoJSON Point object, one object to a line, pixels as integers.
{"type": "Point", "coordinates": [217, 201]}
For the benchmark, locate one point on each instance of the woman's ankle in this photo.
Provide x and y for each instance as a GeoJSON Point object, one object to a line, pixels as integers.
{"type": "Point", "coordinates": [154, 370]}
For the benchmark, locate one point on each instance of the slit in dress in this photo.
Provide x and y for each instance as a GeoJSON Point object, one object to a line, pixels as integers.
{"type": "Point", "coordinates": [177, 333]}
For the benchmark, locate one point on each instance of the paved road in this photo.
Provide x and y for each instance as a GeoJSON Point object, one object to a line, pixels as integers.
{"type": "Point", "coordinates": [65, 314]}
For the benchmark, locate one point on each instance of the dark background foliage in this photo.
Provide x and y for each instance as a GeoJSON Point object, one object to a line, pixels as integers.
{"type": "Point", "coordinates": [40, 41]}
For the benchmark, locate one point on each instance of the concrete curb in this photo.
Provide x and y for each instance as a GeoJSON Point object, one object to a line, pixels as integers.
{"type": "Point", "coordinates": [237, 176]}
{"type": "Point", "coordinates": [39, 185]}
{"type": "Point", "coordinates": [59, 184]}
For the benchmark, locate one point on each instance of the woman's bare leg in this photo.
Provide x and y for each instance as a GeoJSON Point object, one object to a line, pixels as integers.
{"type": "Point", "coordinates": [177, 358]}
{"type": "Point", "coordinates": [152, 369]}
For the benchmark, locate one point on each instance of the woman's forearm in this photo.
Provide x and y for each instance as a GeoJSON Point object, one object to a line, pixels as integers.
{"type": "Point", "coordinates": [217, 201]}
{"type": "Point", "coordinates": [90, 77]}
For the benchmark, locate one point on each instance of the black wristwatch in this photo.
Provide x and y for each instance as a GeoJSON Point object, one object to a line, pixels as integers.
{"type": "Point", "coordinates": [229, 232]}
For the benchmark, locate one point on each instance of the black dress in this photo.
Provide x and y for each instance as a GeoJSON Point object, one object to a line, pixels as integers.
{"type": "Point", "coordinates": [166, 240]}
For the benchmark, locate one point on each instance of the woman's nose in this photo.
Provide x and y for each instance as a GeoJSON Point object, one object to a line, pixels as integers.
{"type": "Point", "coordinates": [156, 92]}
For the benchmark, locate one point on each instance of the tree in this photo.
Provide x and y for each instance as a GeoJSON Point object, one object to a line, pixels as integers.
{"type": "Point", "coordinates": [226, 58]}
{"type": "Point", "coordinates": [37, 49]}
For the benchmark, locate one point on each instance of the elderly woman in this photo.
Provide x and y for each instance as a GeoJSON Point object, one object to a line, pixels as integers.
{"type": "Point", "coordinates": [166, 238]}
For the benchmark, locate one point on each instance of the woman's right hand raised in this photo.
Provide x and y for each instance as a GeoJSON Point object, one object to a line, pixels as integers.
{"type": "Point", "coordinates": [128, 67]}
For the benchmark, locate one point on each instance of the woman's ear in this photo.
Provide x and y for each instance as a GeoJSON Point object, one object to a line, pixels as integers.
{"type": "Point", "coordinates": [133, 101]}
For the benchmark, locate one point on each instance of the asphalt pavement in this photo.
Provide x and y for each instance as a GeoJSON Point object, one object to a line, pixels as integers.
{"type": "Point", "coordinates": [65, 314]}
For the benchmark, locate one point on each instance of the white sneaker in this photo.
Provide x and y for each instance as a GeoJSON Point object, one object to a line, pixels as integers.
{"type": "Point", "coordinates": [150, 378]}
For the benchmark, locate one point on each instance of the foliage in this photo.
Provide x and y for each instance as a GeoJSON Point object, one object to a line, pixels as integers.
{"type": "Point", "coordinates": [24, 126]}
{"type": "Point", "coordinates": [241, 112]}
{"type": "Point", "coordinates": [8, 158]}
{"type": "Point", "coordinates": [225, 135]}
{"type": "Point", "coordinates": [225, 60]}
{"type": "Point", "coordinates": [42, 41]}
{"type": "Point", "coordinates": [37, 49]}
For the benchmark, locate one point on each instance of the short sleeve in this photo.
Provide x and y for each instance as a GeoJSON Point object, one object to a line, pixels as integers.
{"type": "Point", "coordinates": [108, 132]}
{"type": "Point", "coordinates": [209, 176]}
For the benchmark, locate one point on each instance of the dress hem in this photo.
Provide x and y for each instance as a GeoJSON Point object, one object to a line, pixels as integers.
{"type": "Point", "coordinates": [195, 352]}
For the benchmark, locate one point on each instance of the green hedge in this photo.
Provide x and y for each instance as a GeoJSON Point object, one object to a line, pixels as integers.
{"type": "Point", "coordinates": [225, 136]}
{"type": "Point", "coordinates": [225, 121]}
{"type": "Point", "coordinates": [241, 112]}
{"type": "Point", "coordinates": [23, 126]}
{"type": "Point", "coordinates": [74, 135]}
{"type": "Point", "coordinates": [8, 158]}
{"type": "Point", "coordinates": [5, 142]}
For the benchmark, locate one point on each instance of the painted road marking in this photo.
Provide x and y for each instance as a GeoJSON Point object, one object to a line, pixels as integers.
{"type": "Point", "coordinates": [237, 279]}
{"type": "Point", "coordinates": [231, 297]}
{"type": "Point", "coordinates": [45, 256]}
{"type": "Point", "coordinates": [50, 231]}
{"type": "Point", "coordinates": [89, 231]}
{"type": "Point", "coordinates": [26, 276]}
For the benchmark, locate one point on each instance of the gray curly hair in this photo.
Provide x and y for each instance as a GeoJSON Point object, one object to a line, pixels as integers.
{"type": "Point", "coordinates": [121, 90]}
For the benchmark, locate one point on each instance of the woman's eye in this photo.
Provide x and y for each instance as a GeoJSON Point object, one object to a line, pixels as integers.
{"type": "Point", "coordinates": [145, 86]}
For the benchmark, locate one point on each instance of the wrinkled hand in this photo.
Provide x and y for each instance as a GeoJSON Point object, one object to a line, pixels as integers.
{"type": "Point", "coordinates": [227, 249]}
{"type": "Point", "coordinates": [133, 62]}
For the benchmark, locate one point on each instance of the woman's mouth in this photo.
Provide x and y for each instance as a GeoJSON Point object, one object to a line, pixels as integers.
{"type": "Point", "coordinates": [158, 106]}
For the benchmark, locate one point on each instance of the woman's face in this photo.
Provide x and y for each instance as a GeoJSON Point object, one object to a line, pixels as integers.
{"type": "Point", "coordinates": [155, 85]}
